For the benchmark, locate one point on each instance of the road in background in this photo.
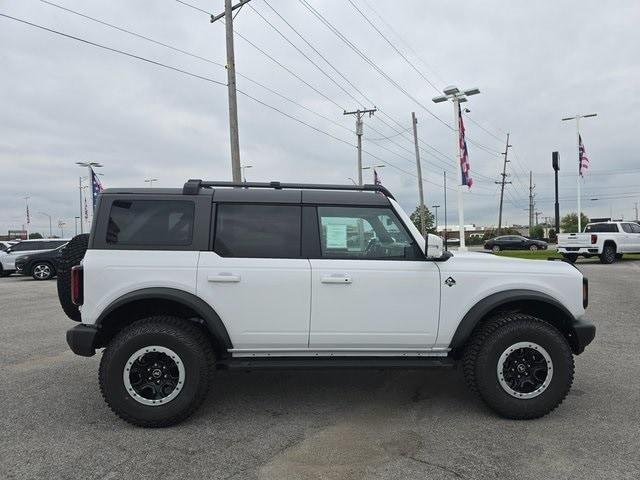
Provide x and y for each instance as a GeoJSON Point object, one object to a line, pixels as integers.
{"type": "Point", "coordinates": [332, 424]}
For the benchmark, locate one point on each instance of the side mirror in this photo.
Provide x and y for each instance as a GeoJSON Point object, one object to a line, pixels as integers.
{"type": "Point", "coordinates": [435, 246]}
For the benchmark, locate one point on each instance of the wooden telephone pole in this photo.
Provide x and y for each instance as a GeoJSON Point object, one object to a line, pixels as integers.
{"type": "Point", "coordinates": [502, 182]}
{"type": "Point", "coordinates": [359, 130]}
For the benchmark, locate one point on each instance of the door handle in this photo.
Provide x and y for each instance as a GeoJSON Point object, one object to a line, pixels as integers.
{"type": "Point", "coordinates": [224, 277]}
{"type": "Point", "coordinates": [336, 278]}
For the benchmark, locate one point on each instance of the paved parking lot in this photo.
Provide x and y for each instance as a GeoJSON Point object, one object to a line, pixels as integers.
{"type": "Point", "coordinates": [304, 425]}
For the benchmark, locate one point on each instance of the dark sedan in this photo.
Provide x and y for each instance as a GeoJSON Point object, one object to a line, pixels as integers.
{"type": "Point", "coordinates": [514, 242]}
{"type": "Point", "coordinates": [41, 265]}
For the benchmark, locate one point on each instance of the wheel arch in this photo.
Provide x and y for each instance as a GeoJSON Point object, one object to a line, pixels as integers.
{"type": "Point", "coordinates": [537, 304]}
{"type": "Point", "coordinates": [609, 241]}
{"type": "Point", "coordinates": [146, 302]}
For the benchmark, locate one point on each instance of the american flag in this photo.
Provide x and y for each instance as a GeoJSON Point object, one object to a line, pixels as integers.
{"type": "Point", "coordinates": [464, 153]}
{"type": "Point", "coordinates": [96, 187]}
{"type": "Point", "coordinates": [86, 210]}
{"type": "Point", "coordinates": [28, 217]}
{"type": "Point", "coordinates": [583, 160]}
{"type": "Point", "coordinates": [376, 178]}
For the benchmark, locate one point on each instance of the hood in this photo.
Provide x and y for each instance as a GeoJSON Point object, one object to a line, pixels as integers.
{"type": "Point", "coordinates": [487, 262]}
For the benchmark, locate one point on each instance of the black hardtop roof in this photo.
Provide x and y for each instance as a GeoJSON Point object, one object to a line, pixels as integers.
{"type": "Point", "coordinates": [273, 192]}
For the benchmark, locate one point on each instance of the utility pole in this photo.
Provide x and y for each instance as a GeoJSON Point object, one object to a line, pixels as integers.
{"type": "Point", "coordinates": [423, 221]}
{"type": "Point", "coordinates": [577, 119]}
{"type": "Point", "coordinates": [445, 210]}
{"type": "Point", "coordinates": [359, 114]}
{"type": "Point", "coordinates": [531, 203]}
{"type": "Point", "coordinates": [502, 182]}
{"type": "Point", "coordinates": [636, 205]}
{"type": "Point", "coordinates": [536, 213]}
{"type": "Point", "coordinates": [150, 181]}
{"type": "Point", "coordinates": [61, 225]}
{"type": "Point", "coordinates": [231, 86]}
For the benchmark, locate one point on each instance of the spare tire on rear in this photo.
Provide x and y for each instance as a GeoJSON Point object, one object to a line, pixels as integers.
{"type": "Point", "coordinates": [72, 254]}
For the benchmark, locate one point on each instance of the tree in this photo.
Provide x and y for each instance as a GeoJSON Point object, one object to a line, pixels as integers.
{"type": "Point", "coordinates": [537, 232]}
{"type": "Point", "coordinates": [553, 236]}
{"type": "Point", "coordinates": [569, 223]}
{"type": "Point", "coordinates": [35, 236]}
{"type": "Point", "coordinates": [428, 219]}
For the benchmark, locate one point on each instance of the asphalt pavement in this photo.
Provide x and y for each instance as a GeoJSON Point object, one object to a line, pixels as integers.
{"type": "Point", "coordinates": [308, 425]}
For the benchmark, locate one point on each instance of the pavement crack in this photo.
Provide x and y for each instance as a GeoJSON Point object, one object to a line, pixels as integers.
{"type": "Point", "coordinates": [436, 465]}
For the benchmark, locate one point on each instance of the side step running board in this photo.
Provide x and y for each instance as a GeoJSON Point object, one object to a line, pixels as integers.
{"type": "Point", "coordinates": [334, 362]}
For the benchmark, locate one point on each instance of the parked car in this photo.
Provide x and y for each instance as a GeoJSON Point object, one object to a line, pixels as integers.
{"type": "Point", "coordinates": [42, 265]}
{"type": "Point", "coordinates": [175, 283]}
{"type": "Point", "coordinates": [514, 242]}
{"type": "Point", "coordinates": [25, 247]}
{"type": "Point", "coordinates": [4, 244]}
{"type": "Point", "coordinates": [607, 240]}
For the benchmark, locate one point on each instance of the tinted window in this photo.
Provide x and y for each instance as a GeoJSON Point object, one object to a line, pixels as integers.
{"type": "Point", "coordinates": [601, 228]}
{"type": "Point", "coordinates": [363, 233]}
{"type": "Point", "coordinates": [635, 227]}
{"type": "Point", "coordinates": [24, 246]}
{"type": "Point", "coordinates": [150, 222]}
{"type": "Point", "coordinates": [627, 227]}
{"type": "Point", "coordinates": [258, 231]}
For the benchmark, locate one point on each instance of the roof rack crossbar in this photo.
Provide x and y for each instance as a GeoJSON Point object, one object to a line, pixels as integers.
{"type": "Point", "coordinates": [192, 186]}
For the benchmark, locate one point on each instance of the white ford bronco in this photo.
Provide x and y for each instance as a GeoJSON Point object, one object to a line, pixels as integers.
{"type": "Point", "coordinates": [176, 283]}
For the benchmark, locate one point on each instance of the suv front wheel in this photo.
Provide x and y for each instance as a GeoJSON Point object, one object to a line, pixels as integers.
{"type": "Point", "coordinates": [521, 366]}
{"type": "Point", "coordinates": [157, 371]}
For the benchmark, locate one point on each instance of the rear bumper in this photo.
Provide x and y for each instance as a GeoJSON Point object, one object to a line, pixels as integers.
{"type": "Point", "coordinates": [579, 250]}
{"type": "Point", "coordinates": [584, 332]}
{"type": "Point", "coordinates": [82, 339]}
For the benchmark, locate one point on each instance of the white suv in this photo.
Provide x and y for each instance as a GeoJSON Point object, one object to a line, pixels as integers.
{"type": "Point", "coordinates": [178, 282]}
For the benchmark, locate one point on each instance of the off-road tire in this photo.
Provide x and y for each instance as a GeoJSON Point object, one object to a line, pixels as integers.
{"type": "Point", "coordinates": [72, 254]}
{"type": "Point", "coordinates": [571, 257]}
{"type": "Point", "coordinates": [608, 254]}
{"type": "Point", "coordinates": [36, 276]}
{"type": "Point", "coordinates": [487, 343]}
{"type": "Point", "coordinates": [179, 335]}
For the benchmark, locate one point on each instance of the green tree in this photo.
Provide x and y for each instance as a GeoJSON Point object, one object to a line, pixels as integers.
{"type": "Point", "coordinates": [428, 218]}
{"type": "Point", "coordinates": [553, 236]}
{"type": "Point", "coordinates": [537, 232]}
{"type": "Point", "coordinates": [569, 223]}
{"type": "Point", "coordinates": [35, 236]}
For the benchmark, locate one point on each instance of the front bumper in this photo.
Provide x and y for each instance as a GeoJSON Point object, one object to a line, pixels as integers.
{"type": "Point", "coordinates": [584, 332]}
{"type": "Point", "coordinates": [82, 339]}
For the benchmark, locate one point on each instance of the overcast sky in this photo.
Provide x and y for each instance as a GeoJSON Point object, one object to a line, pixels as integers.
{"type": "Point", "coordinates": [63, 101]}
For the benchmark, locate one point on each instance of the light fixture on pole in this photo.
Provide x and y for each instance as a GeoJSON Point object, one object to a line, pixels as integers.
{"type": "Point", "coordinates": [90, 166]}
{"type": "Point", "coordinates": [373, 167]}
{"type": "Point", "coordinates": [28, 217]}
{"type": "Point", "coordinates": [61, 225]}
{"type": "Point", "coordinates": [244, 174]}
{"type": "Point", "coordinates": [50, 228]}
{"type": "Point", "coordinates": [457, 97]}
{"type": "Point", "coordinates": [436, 207]}
{"type": "Point", "coordinates": [577, 119]}
{"type": "Point", "coordinates": [150, 181]}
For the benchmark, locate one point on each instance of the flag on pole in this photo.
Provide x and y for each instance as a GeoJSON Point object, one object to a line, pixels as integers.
{"type": "Point", "coordinates": [96, 186]}
{"type": "Point", "coordinates": [583, 160]}
{"type": "Point", "coordinates": [86, 210]}
{"type": "Point", "coordinates": [376, 178]}
{"type": "Point", "coordinates": [28, 217]}
{"type": "Point", "coordinates": [464, 153]}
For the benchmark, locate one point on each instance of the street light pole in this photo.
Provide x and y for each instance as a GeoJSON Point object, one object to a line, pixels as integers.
{"type": "Point", "coordinates": [436, 207]}
{"type": "Point", "coordinates": [423, 222]}
{"type": "Point", "coordinates": [577, 119]}
{"type": "Point", "coordinates": [150, 181]}
{"type": "Point", "coordinates": [244, 173]}
{"type": "Point", "coordinates": [50, 228]}
{"type": "Point", "coordinates": [373, 167]}
{"type": "Point", "coordinates": [457, 96]}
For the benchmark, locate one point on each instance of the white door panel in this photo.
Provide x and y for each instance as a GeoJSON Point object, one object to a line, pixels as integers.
{"type": "Point", "coordinates": [263, 302]}
{"type": "Point", "coordinates": [374, 303]}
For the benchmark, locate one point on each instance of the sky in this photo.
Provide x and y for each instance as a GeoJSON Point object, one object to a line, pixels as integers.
{"type": "Point", "coordinates": [63, 101]}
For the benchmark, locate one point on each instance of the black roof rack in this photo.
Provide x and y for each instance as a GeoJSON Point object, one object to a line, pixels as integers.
{"type": "Point", "coordinates": [193, 186]}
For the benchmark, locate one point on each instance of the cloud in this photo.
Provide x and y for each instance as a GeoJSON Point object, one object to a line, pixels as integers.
{"type": "Point", "coordinates": [63, 101]}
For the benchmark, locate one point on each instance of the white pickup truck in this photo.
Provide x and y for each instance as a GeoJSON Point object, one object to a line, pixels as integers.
{"type": "Point", "coordinates": [607, 240]}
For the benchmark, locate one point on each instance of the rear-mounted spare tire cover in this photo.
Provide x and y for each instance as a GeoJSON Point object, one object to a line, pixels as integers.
{"type": "Point", "coordinates": [72, 254]}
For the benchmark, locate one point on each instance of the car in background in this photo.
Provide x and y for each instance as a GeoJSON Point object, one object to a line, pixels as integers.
{"type": "Point", "coordinates": [26, 247]}
{"type": "Point", "coordinates": [41, 265]}
{"type": "Point", "coordinates": [514, 242]}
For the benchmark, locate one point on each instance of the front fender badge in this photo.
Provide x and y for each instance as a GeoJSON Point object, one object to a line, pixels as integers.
{"type": "Point", "coordinates": [450, 282]}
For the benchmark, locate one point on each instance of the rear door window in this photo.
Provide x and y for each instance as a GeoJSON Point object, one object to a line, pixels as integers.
{"type": "Point", "coordinates": [150, 222]}
{"type": "Point", "coordinates": [601, 228]}
{"type": "Point", "coordinates": [258, 231]}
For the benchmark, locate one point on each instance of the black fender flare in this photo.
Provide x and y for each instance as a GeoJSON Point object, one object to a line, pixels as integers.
{"type": "Point", "coordinates": [203, 309]}
{"type": "Point", "coordinates": [493, 301]}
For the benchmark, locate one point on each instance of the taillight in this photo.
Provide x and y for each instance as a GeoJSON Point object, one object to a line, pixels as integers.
{"type": "Point", "coordinates": [77, 292]}
{"type": "Point", "coordinates": [585, 292]}
{"type": "Point", "coordinates": [594, 239]}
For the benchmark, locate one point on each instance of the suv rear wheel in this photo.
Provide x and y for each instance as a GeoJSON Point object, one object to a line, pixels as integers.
{"type": "Point", "coordinates": [521, 366]}
{"type": "Point", "coordinates": [42, 271]}
{"type": "Point", "coordinates": [157, 371]}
